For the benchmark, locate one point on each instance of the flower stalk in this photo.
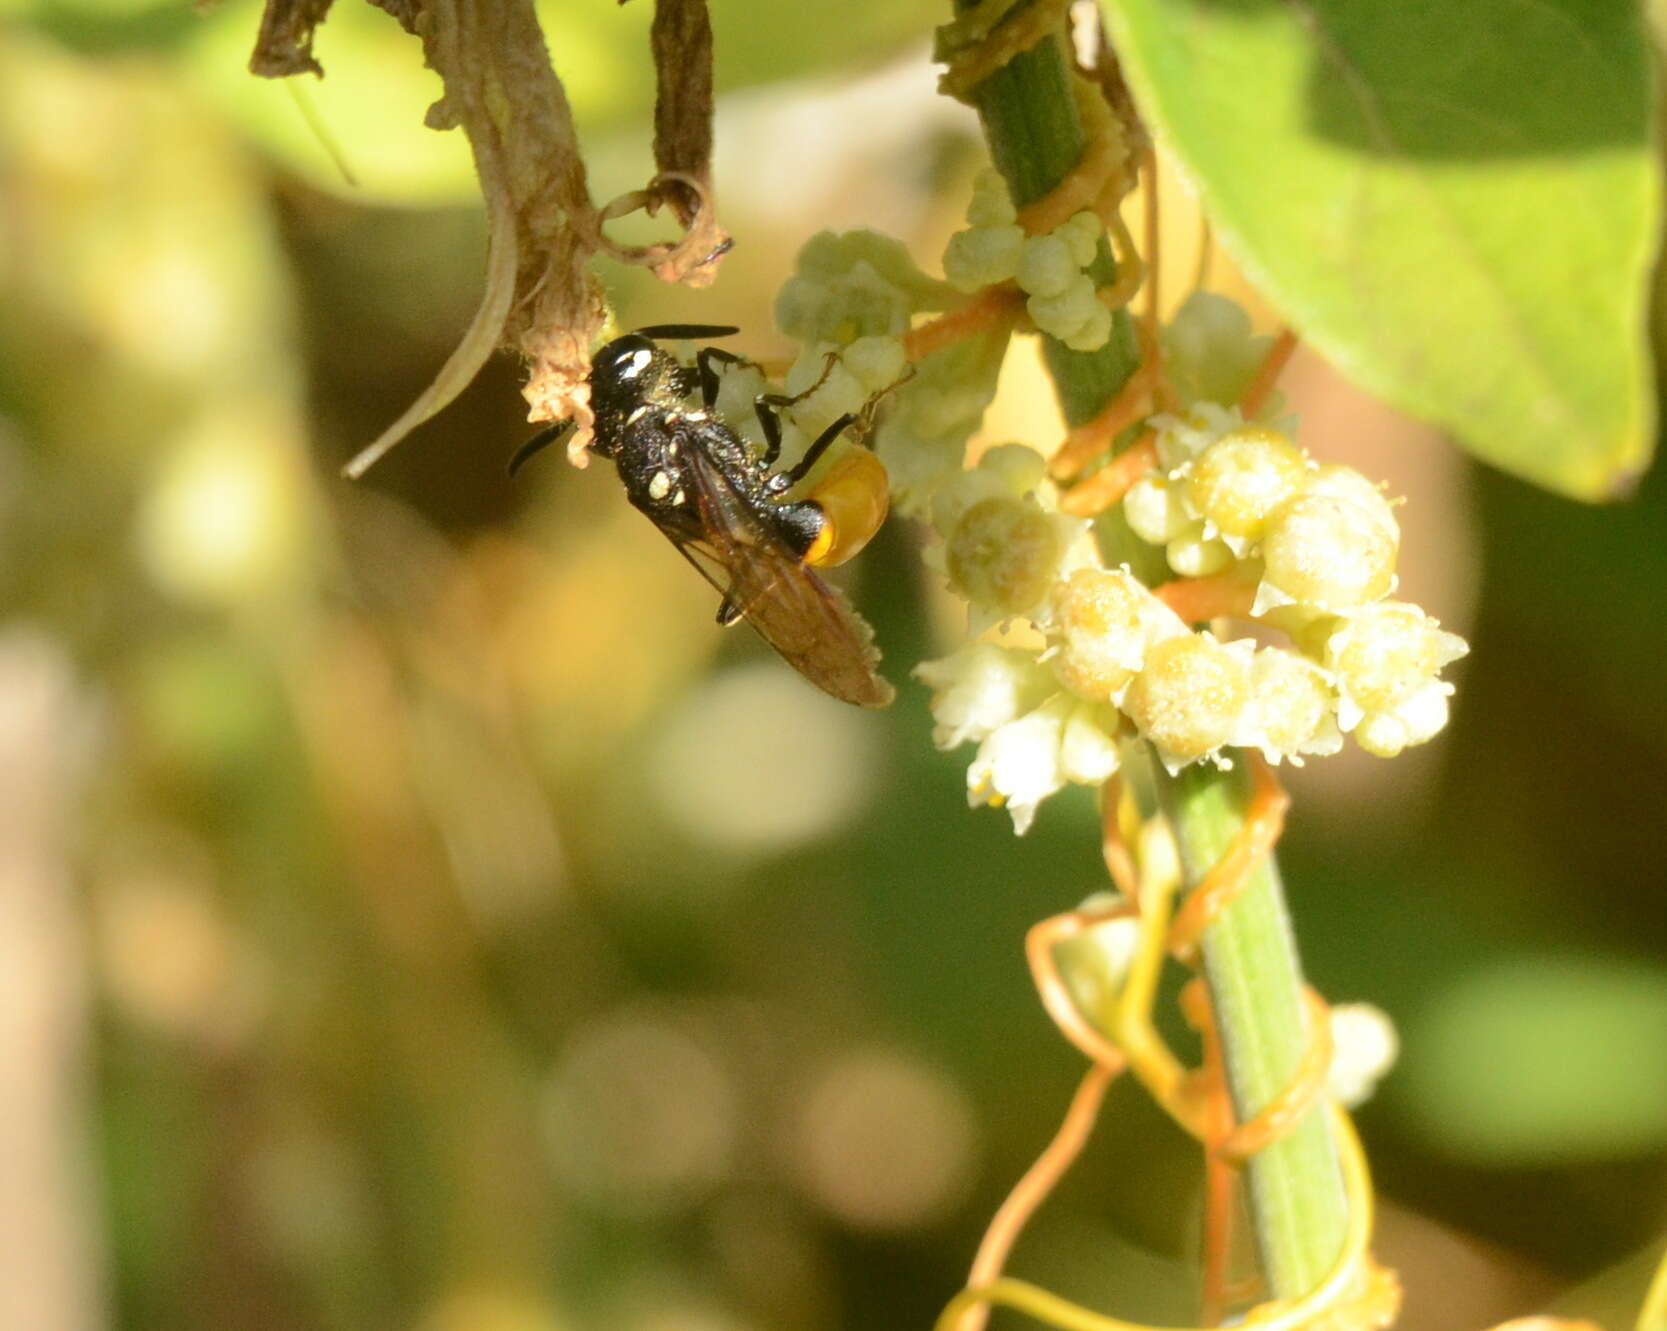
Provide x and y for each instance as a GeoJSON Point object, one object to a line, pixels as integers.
{"type": "Point", "coordinates": [1297, 1201]}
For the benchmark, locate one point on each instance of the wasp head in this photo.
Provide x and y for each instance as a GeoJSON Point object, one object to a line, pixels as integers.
{"type": "Point", "coordinates": [631, 371]}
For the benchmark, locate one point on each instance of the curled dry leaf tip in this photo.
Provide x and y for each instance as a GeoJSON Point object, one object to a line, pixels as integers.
{"type": "Point", "coordinates": [541, 299]}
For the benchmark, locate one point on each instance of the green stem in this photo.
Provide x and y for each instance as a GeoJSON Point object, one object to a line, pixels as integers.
{"type": "Point", "coordinates": [1255, 979]}
{"type": "Point", "coordinates": [1250, 959]}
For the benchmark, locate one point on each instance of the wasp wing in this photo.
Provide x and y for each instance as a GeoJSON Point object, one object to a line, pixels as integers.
{"type": "Point", "coordinates": [810, 624]}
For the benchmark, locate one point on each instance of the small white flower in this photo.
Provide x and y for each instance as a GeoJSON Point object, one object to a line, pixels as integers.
{"type": "Point", "coordinates": [1364, 1048]}
{"type": "Point", "coordinates": [980, 688]}
{"type": "Point", "coordinates": [1020, 764]}
{"type": "Point", "coordinates": [1010, 470]}
{"type": "Point", "coordinates": [1386, 658]}
{"type": "Point", "coordinates": [1182, 438]}
{"type": "Point", "coordinates": [1292, 711]}
{"type": "Point", "coordinates": [1211, 353]}
{"type": "Point", "coordinates": [1190, 697]}
{"type": "Point", "coordinates": [1088, 746]}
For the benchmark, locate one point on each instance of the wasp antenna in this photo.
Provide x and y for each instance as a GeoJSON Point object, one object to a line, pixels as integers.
{"type": "Point", "coordinates": [684, 332]}
{"type": "Point", "coordinates": [537, 444]}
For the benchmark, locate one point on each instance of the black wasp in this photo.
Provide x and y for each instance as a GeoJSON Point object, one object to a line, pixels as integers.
{"type": "Point", "coordinates": [726, 509]}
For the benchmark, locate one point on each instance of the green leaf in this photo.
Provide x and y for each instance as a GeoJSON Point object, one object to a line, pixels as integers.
{"type": "Point", "coordinates": [1456, 203]}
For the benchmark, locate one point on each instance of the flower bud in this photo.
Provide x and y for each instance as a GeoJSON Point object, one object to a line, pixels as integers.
{"type": "Point", "coordinates": [1328, 552]}
{"type": "Point", "coordinates": [1095, 331]}
{"type": "Point", "coordinates": [1067, 313]}
{"type": "Point", "coordinates": [1046, 267]}
{"type": "Point", "coordinates": [1004, 554]}
{"type": "Point", "coordinates": [1294, 706]}
{"type": "Point", "coordinates": [1082, 234]}
{"type": "Point", "coordinates": [1243, 476]}
{"type": "Point", "coordinates": [1189, 698]}
{"type": "Point", "coordinates": [983, 256]}
{"type": "Point", "coordinates": [1192, 556]}
{"type": "Point", "coordinates": [991, 204]}
{"type": "Point", "coordinates": [877, 362]}
{"type": "Point", "coordinates": [979, 689]}
{"type": "Point", "coordinates": [1417, 720]}
{"type": "Point", "coordinates": [1384, 653]}
{"type": "Point", "coordinates": [1155, 509]}
{"type": "Point", "coordinates": [1364, 1048]}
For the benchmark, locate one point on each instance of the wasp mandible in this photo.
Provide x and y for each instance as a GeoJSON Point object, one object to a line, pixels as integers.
{"type": "Point", "coordinates": [727, 509]}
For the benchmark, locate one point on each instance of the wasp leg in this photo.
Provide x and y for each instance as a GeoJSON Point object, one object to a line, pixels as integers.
{"type": "Point", "coordinates": [537, 444]}
{"type": "Point", "coordinates": [704, 359]}
{"type": "Point", "coordinates": [786, 480]}
{"type": "Point", "coordinates": [729, 611]}
{"type": "Point", "coordinates": [764, 404]}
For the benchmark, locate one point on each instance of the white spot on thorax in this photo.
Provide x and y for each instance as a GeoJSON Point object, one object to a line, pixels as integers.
{"type": "Point", "coordinates": [659, 485]}
{"type": "Point", "coordinates": [679, 497]}
{"type": "Point", "coordinates": [638, 414]}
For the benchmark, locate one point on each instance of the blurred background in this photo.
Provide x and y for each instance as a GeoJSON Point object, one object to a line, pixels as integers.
{"type": "Point", "coordinates": [415, 913]}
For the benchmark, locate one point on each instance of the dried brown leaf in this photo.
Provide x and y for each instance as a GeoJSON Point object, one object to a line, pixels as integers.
{"type": "Point", "coordinates": [284, 44]}
{"type": "Point", "coordinates": [502, 91]}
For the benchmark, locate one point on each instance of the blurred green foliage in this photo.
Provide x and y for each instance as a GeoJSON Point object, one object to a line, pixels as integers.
{"type": "Point", "coordinates": [422, 1001]}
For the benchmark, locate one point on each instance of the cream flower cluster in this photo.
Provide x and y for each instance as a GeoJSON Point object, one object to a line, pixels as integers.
{"type": "Point", "coordinates": [1320, 544]}
{"type": "Point", "coordinates": [1228, 498]}
{"type": "Point", "coordinates": [1119, 662]}
{"type": "Point", "coordinates": [854, 296]}
{"type": "Point", "coordinates": [1051, 269]}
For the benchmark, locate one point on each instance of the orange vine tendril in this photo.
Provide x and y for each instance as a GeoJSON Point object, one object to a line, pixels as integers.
{"type": "Point", "coordinates": [1546, 1323]}
{"type": "Point", "coordinates": [1267, 374]}
{"type": "Point", "coordinates": [1057, 1000]}
{"type": "Point", "coordinates": [992, 306]}
{"type": "Point", "coordinates": [1111, 482]}
{"type": "Point", "coordinates": [1219, 596]}
{"type": "Point", "coordinates": [1085, 442]}
{"type": "Point", "coordinates": [1219, 1173]}
{"type": "Point", "coordinates": [1199, 1101]}
{"type": "Point", "coordinates": [1281, 1114]}
{"type": "Point", "coordinates": [1216, 891]}
{"type": "Point", "coordinates": [985, 42]}
{"type": "Point", "coordinates": [1101, 177]}
{"type": "Point", "coordinates": [1039, 1180]}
